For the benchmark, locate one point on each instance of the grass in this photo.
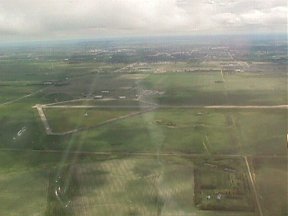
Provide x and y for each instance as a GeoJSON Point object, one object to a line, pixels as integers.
{"type": "Point", "coordinates": [200, 88]}
{"type": "Point", "coordinates": [63, 120]}
{"type": "Point", "coordinates": [135, 186]}
{"type": "Point", "coordinates": [223, 131]}
{"type": "Point", "coordinates": [23, 192]}
{"type": "Point", "coordinates": [262, 132]}
{"type": "Point", "coordinates": [41, 70]}
{"type": "Point", "coordinates": [24, 182]}
{"type": "Point", "coordinates": [94, 84]}
{"type": "Point", "coordinates": [271, 183]}
{"type": "Point", "coordinates": [8, 93]}
{"type": "Point", "coordinates": [103, 184]}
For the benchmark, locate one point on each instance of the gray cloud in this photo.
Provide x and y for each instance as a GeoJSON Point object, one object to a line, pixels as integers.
{"type": "Point", "coordinates": [90, 18]}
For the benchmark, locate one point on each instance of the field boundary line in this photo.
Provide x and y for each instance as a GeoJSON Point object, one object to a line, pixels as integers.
{"type": "Point", "coordinates": [253, 186]}
{"type": "Point", "coordinates": [104, 123]}
{"type": "Point", "coordinates": [21, 98]}
{"type": "Point", "coordinates": [79, 100]}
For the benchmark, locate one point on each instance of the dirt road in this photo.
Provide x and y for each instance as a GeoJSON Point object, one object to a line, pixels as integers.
{"type": "Point", "coordinates": [253, 187]}
{"type": "Point", "coordinates": [21, 98]}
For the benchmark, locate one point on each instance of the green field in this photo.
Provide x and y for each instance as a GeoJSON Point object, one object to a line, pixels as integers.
{"type": "Point", "coordinates": [222, 184]}
{"type": "Point", "coordinates": [129, 159]}
{"type": "Point", "coordinates": [14, 91]}
{"type": "Point", "coordinates": [201, 131]}
{"type": "Point", "coordinates": [271, 181]}
{"type": "Point", "coordinates": [105, 185]}
{"type": "Point", "coordinates": [24, 182]}
{"type": "Point", "coordinates": [63, 120]}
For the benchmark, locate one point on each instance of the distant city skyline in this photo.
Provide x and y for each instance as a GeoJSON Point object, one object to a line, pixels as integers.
{"type": "Point", "coordinates": [75, 19]}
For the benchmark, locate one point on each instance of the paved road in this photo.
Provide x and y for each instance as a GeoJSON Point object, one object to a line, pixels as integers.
{"type": "Point", "coordinates": [43, 119]}
{"type": "Point", "coordinates": [226, 107]}
{"type": "Point", "coordinates": [97, 106]}
{"type": "Point", "coordinates": [170, 106]}
{"type": "Point", "coordinates": [146, 153]}
{"type": "Point", "coordinates": [68, 101]}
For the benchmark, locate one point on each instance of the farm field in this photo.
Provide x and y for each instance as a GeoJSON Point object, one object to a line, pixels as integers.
{"type": "Point", "coordinates": [24, 182]}
{"type": "Point", "coordinates": [13, 92]}
{"type": "Point", "coordinates": [63, 120]}
{"type": "Point", "coordinates": [250, 132]}
{"type": "Point", "coordinates": [271, 180]}
{"type": "Point", "coordinates": [210, 88]}
{"type": "Point", "coordinates": [223, 184]}
{"type": "Point", "coordinates": [107, 184]}
{"type": "Point", "coordinates": [194, 88]}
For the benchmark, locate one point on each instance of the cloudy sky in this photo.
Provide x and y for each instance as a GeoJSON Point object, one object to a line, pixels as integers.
{"type": "Point", "coordinates": [59, 19]}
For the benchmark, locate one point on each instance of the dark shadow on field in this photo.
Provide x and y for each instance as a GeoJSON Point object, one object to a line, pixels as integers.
{"type": "Point", "coordinates": [94, 84]}
{"type": "Point", "coordinates": [57, 96]}
{"type": "Point", "coordinates": [22, 129]}
{"type": "Point", "coordinates": [203, 98]}
{"type": "Point", "coordinates": [271, 183]}
{"type": "Point", "coordinates": [20, 134]}
{"type": "Point", "coordinates": [62, 188]}
{"type": "Point", "coordinates": [123, 138]}
{"type": "Point", "coordinates": [71, 183]}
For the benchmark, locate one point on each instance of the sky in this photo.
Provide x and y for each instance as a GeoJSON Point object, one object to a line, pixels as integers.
{"type": "Point", "coordinates": [77, 19]}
